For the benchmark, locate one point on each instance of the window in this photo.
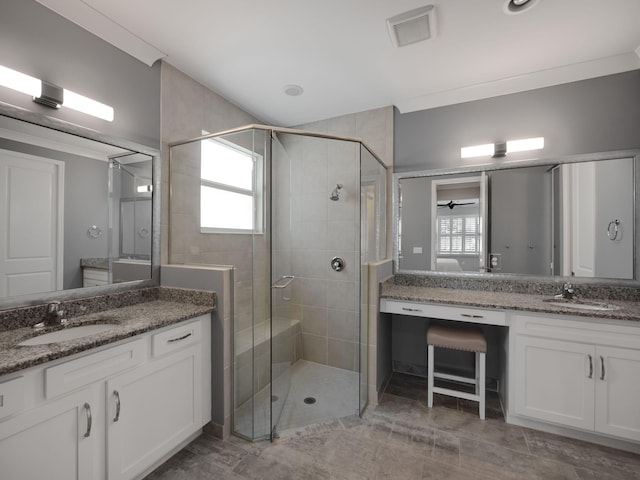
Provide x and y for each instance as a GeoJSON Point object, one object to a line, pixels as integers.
{"type": "Point", "coordinates": [459, 234]}
{"type": "Point", "coordinates": [230, 188]}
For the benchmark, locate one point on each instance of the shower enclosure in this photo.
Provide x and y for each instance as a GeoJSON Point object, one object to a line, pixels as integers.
{"type": "Point", "coordinates": [298, 215]}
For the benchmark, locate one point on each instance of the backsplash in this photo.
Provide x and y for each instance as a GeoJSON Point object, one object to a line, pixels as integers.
{"type": "Point", "coordinates": [28, 316]}
{"type": "Point", "coordinates": [532, 287]}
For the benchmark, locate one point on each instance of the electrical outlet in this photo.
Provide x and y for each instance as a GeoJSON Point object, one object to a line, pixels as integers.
{"type": "Point", "coordinates": [495, 261]}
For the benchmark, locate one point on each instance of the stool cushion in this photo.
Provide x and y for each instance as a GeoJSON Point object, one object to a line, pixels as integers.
{"type": "Point", "coordinates": [467, 338]}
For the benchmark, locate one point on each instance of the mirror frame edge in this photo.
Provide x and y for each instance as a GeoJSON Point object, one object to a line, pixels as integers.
{"type": "Point", "coordinates": [84, 132]}
{"type": "Point", "coordinates": [508, 165]}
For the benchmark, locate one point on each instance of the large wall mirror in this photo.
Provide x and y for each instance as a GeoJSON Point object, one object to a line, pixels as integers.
{"type": "Point", "coordinates": [77, 214]}
{"type": "Point", "coordinates": [570, 217]}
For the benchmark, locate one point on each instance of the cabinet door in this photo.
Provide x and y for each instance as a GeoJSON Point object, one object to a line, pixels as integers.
{"type": "Point", "coordinates": [51, 441]}
{"type": "Point", "coordinates": [555, 381]}
{"type": "Point", "coordinates": [618, 392]}
{"type": "Point", "coordinates": [150, 410]}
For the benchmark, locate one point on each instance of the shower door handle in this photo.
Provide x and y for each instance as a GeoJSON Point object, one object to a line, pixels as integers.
{"type": "Point", "coordinates": [283, 282]}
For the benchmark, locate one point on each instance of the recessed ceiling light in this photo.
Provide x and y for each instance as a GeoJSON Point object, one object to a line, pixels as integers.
{"type": "Point", "coordinates": [518, 6]}
{"type": "Point", "coordinates": [293, 90]}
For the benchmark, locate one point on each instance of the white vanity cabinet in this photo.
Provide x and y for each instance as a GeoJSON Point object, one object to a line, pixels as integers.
{"type": "Point", "coordinates": [577, 373]}
{"type": "Point", "coordinates": [56, 440]}
{"type": "Point", "coordinates": [113, 412]}
{"type": "Point", "coordinates": [156, 407]}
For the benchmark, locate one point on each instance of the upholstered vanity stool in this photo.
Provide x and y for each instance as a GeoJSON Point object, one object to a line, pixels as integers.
{"type": "Point", "coordinates": [470, 339]}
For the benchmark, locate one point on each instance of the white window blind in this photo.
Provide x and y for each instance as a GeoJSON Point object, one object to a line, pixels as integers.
{"type": "Point", "coordinates": [458, 234]}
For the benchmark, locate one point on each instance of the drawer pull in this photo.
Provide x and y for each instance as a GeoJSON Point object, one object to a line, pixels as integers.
{"type": "Point", "coordinates": [87, 408]}
{"type": "Point", "coordinates": [590, 366]}
{"type": "Point", "coordinates": [1, 400]}
{"type": "Point", "coordinates": [117, 395]}
{"type": "Point", "coordinates": [411, 309]}
{"type": "Point", "coordinates": [469, 315]}
{"type": "Point", "coordinates": [602, 371]}
{"type": "Point", "coordinates": [177, 339]}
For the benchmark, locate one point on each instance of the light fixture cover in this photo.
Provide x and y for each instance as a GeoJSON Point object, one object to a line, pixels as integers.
{"type": "Point", "coordinates": [86, 105]}
{"type": "Point", "coordinates": [485, 150]}
{"type": "Point", "coordinates": [19, 81]}
{"type": "Point", "coordinates": [525, 144]}
{"type": "Point", "coordinates": [500, 149]}
{"type": "Point", "coordinates": [413, 26]}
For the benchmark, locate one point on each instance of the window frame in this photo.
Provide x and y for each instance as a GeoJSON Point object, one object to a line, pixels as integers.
{"type": "Point", "coordinates": [463, 235]}
{"type": "Point", "coordinates": [256, 192]}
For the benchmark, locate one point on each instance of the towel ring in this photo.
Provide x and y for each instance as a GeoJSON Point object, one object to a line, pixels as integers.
{"type": "Point", "coordinates": [613, 235]}
{"type": "Point", "coordinates": [94, 231]}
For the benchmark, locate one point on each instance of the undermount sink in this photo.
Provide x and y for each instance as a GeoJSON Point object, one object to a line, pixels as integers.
{"type": "Point", "coordinates": [593, 305]}
{"type": "Point", "coordinates": [69, 333]}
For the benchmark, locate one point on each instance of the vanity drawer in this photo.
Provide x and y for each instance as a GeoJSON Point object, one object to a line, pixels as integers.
{"type": "Point", "coordinates": [83, 371]}
{"type": "Point", "coordinates": [11, 396]}
{"type": "Point", "coordinates": [175, 339]}
{"type": "Point", "coordinates": [445, 312]}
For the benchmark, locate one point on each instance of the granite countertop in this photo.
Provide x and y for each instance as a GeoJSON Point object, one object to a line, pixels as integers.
{"type": "Point", "coordinates": [97, 263]}
{"type": "Point", "coordinates": [502, 300]}
{"type": "Point", "coordinates": [167, 307]}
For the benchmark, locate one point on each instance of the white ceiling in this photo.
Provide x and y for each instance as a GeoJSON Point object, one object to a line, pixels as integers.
{"type": "Point", "coordinates": [339, 51]}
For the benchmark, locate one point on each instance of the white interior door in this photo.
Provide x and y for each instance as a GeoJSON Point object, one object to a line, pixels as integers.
{"type": "Point", "coordinates": [31, 224]}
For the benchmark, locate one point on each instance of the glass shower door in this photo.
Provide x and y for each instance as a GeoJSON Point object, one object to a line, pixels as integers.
{"type": "Point", "coordinates": [283, 326]}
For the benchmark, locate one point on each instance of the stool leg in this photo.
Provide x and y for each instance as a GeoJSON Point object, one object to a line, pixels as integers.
{"type": "Point", "coordinates": [482, 384]}
{"type": "Point", "coordinates": [430, 376]}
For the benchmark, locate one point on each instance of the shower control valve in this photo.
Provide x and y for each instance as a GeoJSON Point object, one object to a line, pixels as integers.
{"type": "Point", "coordinates": [337, 263]}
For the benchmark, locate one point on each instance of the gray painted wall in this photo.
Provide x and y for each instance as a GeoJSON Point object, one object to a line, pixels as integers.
{"type": "Point", "coordinates": [36, 41]}
{"type": "Point", "coordinates": [85, 204]}
{"type": "Point", "coordinates": [594, 115]}
{"type": "Point", "coordinates": [614, 188]}
{"type": "Point", "coordinates": [520, 219]}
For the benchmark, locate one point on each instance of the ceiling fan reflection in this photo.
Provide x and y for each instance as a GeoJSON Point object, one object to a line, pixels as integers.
{"type": "Point", "coordinates": [452, 203]}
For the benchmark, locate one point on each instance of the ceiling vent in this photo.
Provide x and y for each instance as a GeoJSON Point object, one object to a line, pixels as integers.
{"type": "Point", "coordinates": [413, 26]}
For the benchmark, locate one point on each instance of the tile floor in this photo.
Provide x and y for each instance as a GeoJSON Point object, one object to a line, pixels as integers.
{"type": "Point", "coordinates": [402, 438]}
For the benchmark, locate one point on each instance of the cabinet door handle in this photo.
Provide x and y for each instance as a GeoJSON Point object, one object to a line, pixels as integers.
{"type": "Point", "coordinates": [177, 339]}
{"type": "Point", "coordinates": [117, 395]}
{"type": "Point", "coordinates": [87, 409]}
{"type": "Point", "coordinates": [469, 315]}
{"type": "Point", "coordinates": [590, 366]}
{"type": "Point", "coordinates": [411, 309]}
{"type": "Point", "coordinates": [602, 371]}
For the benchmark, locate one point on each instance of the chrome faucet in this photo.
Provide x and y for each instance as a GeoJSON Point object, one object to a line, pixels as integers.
{"type": "Point", "coordinates": [567, 291]}
{"type": "Point", "coordinates": [53, 316]}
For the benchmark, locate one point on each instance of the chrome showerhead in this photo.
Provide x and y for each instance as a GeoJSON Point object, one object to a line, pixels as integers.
{"type": "Point", "coordinates": [335, 195]}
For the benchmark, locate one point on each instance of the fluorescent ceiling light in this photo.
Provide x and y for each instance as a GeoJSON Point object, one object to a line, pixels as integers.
{"type": "Point", "coordinates": [86, 105]}
{"type": "Point", "coordinates": [42, 92]}
{"type": "Point", "coordinates": [477, 151]}
{"type": "Point", "coordinates": [525, 144]}
{"type": "Point", "coordinates": [20, 82]}
{"type": "Point", "coordinates": [498, 148]}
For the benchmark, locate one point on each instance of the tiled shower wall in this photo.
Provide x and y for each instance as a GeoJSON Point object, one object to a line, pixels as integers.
{"type": "Point", "coordinates": [188, 108]}
{"type": "Point", "coordinates": [312, 231]}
